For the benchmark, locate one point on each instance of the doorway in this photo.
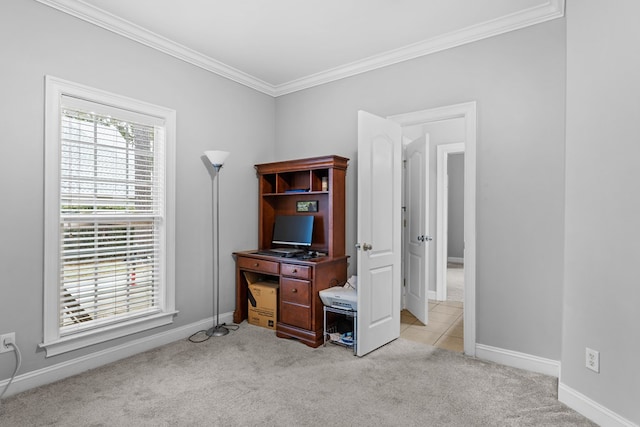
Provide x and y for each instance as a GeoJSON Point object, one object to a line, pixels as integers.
{"type": "Point", "coordinates": [450, 217]}
{"type": "Point", "coordinates": [414, 125]}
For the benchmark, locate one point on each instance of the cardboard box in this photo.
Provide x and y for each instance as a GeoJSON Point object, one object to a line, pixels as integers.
{"type": "Point", "coordinates": [262, 301]}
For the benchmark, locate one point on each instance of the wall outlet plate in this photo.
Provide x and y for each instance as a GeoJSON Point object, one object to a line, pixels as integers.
{"type": "Point", "coordinates": [592, 360]}
{"type": "Point", "coordinates": [6, 339]}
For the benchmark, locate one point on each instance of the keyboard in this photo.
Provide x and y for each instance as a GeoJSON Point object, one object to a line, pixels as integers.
{"type": "Point", "coordinates": [270, 253]}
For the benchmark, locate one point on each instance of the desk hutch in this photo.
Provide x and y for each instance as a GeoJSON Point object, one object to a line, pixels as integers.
{"type": "Point", "coordinates": [281, 185]}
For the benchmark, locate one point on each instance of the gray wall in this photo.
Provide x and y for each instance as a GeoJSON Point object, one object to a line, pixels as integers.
{"type": "Point", "coordinates": [601, 291]}
{"type": "Point", "coordinates": [518, 80]}
{"type": "Point", "coordinates": [212, 113]}
{"type": "Point", "coordinates": [455, 239]}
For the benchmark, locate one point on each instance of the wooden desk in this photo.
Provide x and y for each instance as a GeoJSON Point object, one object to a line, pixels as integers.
{"type": "Point", "coordinates": [300, 312]}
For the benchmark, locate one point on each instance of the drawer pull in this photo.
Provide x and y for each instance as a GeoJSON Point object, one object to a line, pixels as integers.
{"type": "Point", "coordinates": [257, 264]}
{"type": "Point", "coordinates": [295, 270]}
{"type": "Point", "coordinates": [294, 290]}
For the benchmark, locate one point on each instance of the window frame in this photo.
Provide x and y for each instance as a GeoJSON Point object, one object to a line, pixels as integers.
{"type": "Point", "coordinates": [54, 343]}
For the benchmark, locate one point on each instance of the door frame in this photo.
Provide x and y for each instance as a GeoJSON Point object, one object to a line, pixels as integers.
{"type": "Point", "coordinates": [467, 111]}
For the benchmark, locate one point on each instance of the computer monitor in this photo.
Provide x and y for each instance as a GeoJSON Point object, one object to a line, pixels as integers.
{"type": "Point", "coordinates": [295, 230]}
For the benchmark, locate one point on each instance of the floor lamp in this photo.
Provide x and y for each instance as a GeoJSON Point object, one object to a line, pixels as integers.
{"type": "Point", "coordinates": [217, 159]}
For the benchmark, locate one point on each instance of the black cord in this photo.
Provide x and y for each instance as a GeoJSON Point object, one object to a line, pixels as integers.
{"type": "Point", "coordinates": [232, 327]}
{"type": "Point", "coordinates": [199, 341]}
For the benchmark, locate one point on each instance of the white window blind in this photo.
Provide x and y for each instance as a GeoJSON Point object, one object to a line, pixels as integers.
{"type": "Point", "coordinates": [109, 257]}
{"type": "Point", "coordinates": [111, 199]}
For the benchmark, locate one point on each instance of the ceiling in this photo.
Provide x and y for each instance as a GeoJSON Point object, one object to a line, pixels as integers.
{"type": "Point", "coordinates": [281, 46]}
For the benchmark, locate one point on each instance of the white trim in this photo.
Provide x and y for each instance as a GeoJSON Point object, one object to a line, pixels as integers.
{"type": "Point", "coordinates": [535, 15]}
{"type": "Point", "coordinates": [109, 332]}
{"type": "Point", "coordinates": [108, 21]}
{"type": "Point", "coordinates": [431, 295]}
{"type": "Point", "coordinates": [455, 260]}
{"type": "Point", "coordinates": [518, 360]}
{"type": "Point", "coordinates": [468, 112]}
{"type": "Point", "coordinates": [78, 365]}
{"type": "Point", "coordinates": [442, 214]}
{"type": "Point", "coordinates": [53, 342]}
{"type": "Point", "coordinates": [515, 21]}
{"type": "Point", "coordinates": [590, 408]}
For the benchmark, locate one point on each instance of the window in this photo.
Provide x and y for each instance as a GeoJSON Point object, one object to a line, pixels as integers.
{"type": "Point", "coordinates": [109, 204]}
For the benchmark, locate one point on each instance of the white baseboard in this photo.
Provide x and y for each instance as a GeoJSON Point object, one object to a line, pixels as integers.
{"type": "Point", "coordinates": [78, 365]}
{"type": "Point", "coordinates": [431, 295]}
{"type": "Point", "coordinates": [590, 409]}
{"type": "Point", "coordinates": [455, 260]}
{"type": "Point", "coordinates": [518, 360]}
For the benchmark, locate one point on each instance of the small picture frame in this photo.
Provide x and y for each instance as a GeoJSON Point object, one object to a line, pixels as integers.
{"type": "Point", "coordinates": [307, 206]}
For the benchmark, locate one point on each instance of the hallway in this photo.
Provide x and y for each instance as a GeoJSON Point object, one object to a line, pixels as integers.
{"type": "Point", "coordinates": [445, 328]}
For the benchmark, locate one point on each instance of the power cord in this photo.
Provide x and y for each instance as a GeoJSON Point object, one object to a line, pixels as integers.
{"type": "Point", "coordinates": [350, 285]}
{"type": "Point", "coordinates": [232, 327]}
{"type": "Point", "coordinates": [347, 284]}
{"type": "Point", "coordinates": [18, 363]}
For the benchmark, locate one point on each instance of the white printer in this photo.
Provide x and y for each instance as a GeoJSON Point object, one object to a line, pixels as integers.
{"type": "Point", "coordinates": [340, 297]}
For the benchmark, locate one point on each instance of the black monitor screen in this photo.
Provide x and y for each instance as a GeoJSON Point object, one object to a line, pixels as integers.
{"type": "Point", "coordinates": [293, 230]}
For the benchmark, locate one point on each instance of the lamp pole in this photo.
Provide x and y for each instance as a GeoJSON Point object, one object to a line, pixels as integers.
{"type": "Point", "coordinates": [217, 330]}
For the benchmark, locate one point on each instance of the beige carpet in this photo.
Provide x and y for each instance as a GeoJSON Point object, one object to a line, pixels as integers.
{"type": "Point", "coordinates": [252, 378]}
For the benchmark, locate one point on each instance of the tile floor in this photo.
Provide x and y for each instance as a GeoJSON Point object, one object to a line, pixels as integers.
{"type": "Point", "coordinates": [444, 330]}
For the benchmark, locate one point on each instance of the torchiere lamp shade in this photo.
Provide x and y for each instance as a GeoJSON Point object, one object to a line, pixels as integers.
{"type": "Point", "coordinates": [217, 157]}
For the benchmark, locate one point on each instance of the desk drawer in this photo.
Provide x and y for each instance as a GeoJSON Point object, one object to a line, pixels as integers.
{"type": "Point", "coordinates": [295, 291]}
{"type": "Point", "coordinates": [258, 265]}
{"type": "Point", "coordinates": [294, 270]}
{"type": "Point", "coordinates": [295, 315]}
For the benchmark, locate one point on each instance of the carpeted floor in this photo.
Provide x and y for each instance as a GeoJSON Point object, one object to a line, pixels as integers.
{"type": "Point", "coordinates": [252, 378]}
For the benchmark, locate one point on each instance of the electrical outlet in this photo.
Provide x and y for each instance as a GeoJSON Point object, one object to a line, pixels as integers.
{"type": "Point", "coordinates": [6, 339]}
{"type": "Point", "coordinates": [593, 360]}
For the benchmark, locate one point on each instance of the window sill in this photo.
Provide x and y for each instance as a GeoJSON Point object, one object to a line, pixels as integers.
{"type": "Point", "coordinates": [106, 333]}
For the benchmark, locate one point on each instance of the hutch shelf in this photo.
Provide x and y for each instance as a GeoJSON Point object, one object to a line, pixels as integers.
{"type": "Point", "coordinates": [313, 186]}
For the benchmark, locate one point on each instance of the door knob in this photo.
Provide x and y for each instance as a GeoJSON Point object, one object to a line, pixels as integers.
{"type": "Point", "coordinates": [364, 246]}
{"type": "Point", "coordinates": [423, 238]}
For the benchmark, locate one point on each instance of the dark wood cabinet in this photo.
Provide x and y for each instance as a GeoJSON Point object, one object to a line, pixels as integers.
{"type": "Point", "coordinates": [281, 186]}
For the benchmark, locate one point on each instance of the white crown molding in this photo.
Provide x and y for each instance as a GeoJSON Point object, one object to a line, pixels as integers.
{"type": "Point", "coordinates": [550, 10]}
{"type": "Point", "coordinates": [108, 21]}
{"type": "Point", "coordinates": [524, 18]}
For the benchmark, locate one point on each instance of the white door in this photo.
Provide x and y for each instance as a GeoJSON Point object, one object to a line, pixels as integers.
{"type": "Point", "coordinates": [379, 231]}
{"type": "Point", "coordinates": [416, 235]}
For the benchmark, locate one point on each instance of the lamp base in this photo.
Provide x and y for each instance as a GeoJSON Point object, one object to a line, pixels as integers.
{"type": "Point", "coordinates": [217, 331]}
